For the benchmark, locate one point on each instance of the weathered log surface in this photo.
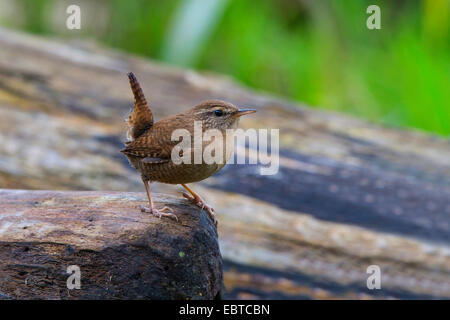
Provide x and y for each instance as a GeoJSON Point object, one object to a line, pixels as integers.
{"type": "Point", "coordinates": [122, 253]}
{"type": "Point", "coordinates": [348, 194]}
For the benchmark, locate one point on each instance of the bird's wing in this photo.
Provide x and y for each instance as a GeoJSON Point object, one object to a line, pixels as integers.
{"type": "Point", "coordinates": [140, 118]}
{"type": "Point", "coordinates": [150, 152]}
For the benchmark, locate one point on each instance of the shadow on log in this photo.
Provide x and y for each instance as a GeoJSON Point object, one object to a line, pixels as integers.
{"type": "Point", "coordinates": [122, 253]}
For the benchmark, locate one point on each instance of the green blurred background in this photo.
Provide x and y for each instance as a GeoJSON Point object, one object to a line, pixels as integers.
{"type": "Point", "coordinates": [318, 52]}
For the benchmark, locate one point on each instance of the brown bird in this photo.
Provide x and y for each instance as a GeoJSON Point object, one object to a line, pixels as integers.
{"type": "Point", "coordinates": [150, 145]}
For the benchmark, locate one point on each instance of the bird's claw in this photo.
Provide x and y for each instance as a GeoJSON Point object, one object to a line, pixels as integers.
{"type": "Point", "coordinates": [202, 205]}
{"type": "Point", "coordinates": [160, 213]}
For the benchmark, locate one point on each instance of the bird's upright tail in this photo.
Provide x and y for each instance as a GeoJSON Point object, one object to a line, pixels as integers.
{"type": "Point", "coordinates": [139, 98]}
{"type": "Point", "coordinates": [140, 118]}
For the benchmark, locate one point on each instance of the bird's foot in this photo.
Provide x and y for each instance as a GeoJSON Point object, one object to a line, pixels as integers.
{"type": "Point", "coordinates": [199, 202]}
{"type": "Point", "coordinates": [159, 213]}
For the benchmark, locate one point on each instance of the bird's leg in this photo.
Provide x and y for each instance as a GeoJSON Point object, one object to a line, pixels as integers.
{"type": "Point", "coordinates": [194, 197]}
{"type": "Point", "coordinates": [152, 209]}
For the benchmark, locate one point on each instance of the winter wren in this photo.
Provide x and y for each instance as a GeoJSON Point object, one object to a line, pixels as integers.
{"type": "Point", "coordinates": [150, 145]}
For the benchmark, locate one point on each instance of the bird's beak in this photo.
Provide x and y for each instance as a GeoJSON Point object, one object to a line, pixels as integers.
{"type": "Point", "coordinates": [243, 112]}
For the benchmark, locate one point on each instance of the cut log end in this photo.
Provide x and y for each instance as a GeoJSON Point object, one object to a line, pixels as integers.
{"type": "Point", "coordinates": [120, 252]}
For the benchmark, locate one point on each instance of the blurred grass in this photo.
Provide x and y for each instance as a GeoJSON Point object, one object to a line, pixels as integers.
{"type": "Point", "coordinates": [318, 52]}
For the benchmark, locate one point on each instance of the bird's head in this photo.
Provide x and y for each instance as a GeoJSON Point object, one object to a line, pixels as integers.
{"type": "Point", "coordinates": [218, 114]}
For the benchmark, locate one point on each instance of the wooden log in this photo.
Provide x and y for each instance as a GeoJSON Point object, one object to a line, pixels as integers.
{"type": "Point", "coordinates": [121, 252]}
{"type": "Point", "coordinates": [348, 193]}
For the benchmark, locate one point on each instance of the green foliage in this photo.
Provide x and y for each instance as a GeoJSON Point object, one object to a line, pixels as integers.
{"type": "Point", "coordinates": [319, 52]}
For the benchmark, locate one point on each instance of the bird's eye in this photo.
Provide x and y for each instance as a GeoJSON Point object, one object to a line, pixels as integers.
{"type": "Point", "coordinates": [218, 113]}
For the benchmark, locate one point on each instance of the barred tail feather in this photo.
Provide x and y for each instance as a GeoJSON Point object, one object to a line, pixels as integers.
{"type": "Point", "coordinates": [140, 118]}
